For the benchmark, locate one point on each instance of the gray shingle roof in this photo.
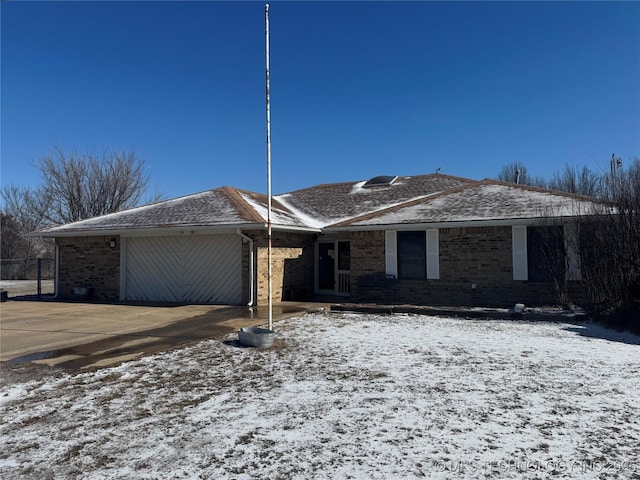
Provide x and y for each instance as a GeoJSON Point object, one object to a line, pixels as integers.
{"type": "Point", "coordinates": [280, 214]}
{"type": "Point", "coordinates": [423, 199]}
{"type": "Point", "coordinates": [331, 203]}
{"type": "Point", "coordinates": [211, 208]}
{"type": "Point", "coordinates": [480, 201]}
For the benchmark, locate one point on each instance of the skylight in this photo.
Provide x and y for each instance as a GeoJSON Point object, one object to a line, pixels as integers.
{"type": "Point", "coordinates": [380, 181]}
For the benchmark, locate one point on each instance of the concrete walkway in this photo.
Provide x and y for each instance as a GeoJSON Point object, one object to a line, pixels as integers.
{"type": "Point", "coordinates": [82, 335]}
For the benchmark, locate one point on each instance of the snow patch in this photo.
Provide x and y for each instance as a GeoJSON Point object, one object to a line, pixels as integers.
{"type": "Point", "coordinates": [313, 222]}
{"type": "Point", "coordinates": [357, 188]}
{"type": "Point", "coordinates": [277, 216]}
{"type": "Point", "coordinates": [343, 396]}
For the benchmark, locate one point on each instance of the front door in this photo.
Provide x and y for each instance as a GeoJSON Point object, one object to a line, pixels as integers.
{"type": "Point", "coordinates": [326, 266]}
{"type": "Point", "coordinates": [334, 268]}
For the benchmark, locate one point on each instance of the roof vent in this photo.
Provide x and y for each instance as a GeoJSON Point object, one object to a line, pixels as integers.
{"type": "Point", "coordinates": [381, 181]}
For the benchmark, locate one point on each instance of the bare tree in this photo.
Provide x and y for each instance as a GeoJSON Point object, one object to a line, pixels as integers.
{"type": "Point", "coordinates": [24, 212]}
{"type": "Point", "coordinates": [579, 181]}
{"type": "Point", "coordinates": [601, 250]}
{"type": "Point", "coordinates": [73, 187]}
{"type": "Point", "coordinates": [610, 244]}
{"type": "Point", "coordinates": [517, 172]}
{"type": "Point", "coordinates": [26, 206]}
{"type": "Point", "coordinates": [77, 187]}
{"type": "Point", "coordinates": [13, 244]}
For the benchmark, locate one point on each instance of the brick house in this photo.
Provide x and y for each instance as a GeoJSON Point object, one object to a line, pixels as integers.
{"type": "Point", "coordinates": [425, 239]}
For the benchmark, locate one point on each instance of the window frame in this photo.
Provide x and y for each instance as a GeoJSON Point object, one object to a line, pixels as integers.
{"type": "Point", "coordinates": [419, 239]}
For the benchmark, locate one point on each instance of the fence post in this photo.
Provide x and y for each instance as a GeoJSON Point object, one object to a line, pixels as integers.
{"type": "Point", "coordinates": [39, 263]}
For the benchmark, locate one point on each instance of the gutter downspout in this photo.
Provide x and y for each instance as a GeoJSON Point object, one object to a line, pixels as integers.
{"type": "Point", "coordinates": [239, 232]}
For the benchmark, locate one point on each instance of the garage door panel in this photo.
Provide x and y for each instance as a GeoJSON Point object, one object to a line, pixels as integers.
{"type": "Point", "coordinates": [152, 264]}
{"type": "Point", "coordinates": [193, 269]}
{"type": "Point", "coordinates": [210, 262]}
{"type": "Point", "coordinates": [225, 283]}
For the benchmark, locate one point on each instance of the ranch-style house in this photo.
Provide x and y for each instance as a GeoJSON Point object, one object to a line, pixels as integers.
{"type": "Point", "coordinates": [426, 239]}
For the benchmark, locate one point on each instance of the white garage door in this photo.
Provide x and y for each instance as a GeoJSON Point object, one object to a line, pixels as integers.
{"type": "Point", "coordinates": [190, 269]}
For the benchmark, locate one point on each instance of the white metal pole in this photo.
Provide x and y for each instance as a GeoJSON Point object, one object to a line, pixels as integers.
{"type": "Point", "coordinates": [269, 260]}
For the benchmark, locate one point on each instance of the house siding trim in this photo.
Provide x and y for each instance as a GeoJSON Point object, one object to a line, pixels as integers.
{"type": "Point", "coordinates": [506, 222]}
{"type": "Point", "coordinates": [519, 251]}
{"type": "Point", "coordinates": [433, 254]}
{"type": "Point", "coordinates": [391, 252]}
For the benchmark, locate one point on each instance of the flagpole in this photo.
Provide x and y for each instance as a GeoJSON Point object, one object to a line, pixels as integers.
{"type": "Point", "coordinates": [268, 101]}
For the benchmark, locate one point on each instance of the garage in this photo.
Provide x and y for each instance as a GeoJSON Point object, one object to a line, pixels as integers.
{"type": "Point", "coordinates": [186, 269]}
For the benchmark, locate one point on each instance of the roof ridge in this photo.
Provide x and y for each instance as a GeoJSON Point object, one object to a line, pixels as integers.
{"type": "Point", "coordinates": [276, 202]}
{"type": "Point", "coordinates": [453, 177]}
{"type": "Point", "coordinates": [320, 185]}
{"type": "Point", "coordinates": [241, 204]}
{"type": "Point", "coordinates": [352, 182]}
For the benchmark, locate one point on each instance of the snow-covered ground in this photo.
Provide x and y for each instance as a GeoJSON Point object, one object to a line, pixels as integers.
{"type": "Point", "coordinates": [341, 396]}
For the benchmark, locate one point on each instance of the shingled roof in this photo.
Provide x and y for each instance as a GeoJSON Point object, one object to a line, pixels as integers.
{"type": "Point", "coordinates": [326, 204]}
{"type": "Point", "coordinates": [223, 207]}
{"type": "Point", "coordinates": [420, 199]}
{"type": "Point", "coordinates": [487, 200]}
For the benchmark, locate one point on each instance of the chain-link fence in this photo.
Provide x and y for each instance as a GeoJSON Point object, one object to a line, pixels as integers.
{"type": "Point", "coordinates": [33, 276]}
{"type": "Point", "coordinates": [27, 269]}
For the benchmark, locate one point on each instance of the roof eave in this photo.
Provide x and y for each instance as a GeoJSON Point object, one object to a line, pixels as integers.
{"type": "Point", "coordinates": [150, 231]}
{"type": "Point", "coordinates": [287, 228]}
{"type": "Point", "coordinates": [500, 222]}
{"type": "Point", "coordinates": [171, 230]}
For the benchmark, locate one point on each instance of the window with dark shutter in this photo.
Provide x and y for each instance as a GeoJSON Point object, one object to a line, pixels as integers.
{"type": "Point", "coordinates": [412, 263]}
{"type": "Point", "coordinates": [546, 254]}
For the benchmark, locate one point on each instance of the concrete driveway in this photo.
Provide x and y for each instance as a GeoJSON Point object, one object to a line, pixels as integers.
{"type": "Point", "coordinates": [81, 335]}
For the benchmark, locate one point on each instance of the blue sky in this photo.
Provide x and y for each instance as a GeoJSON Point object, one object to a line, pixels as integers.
{"type": "Point", "coordinates": [358, 89]}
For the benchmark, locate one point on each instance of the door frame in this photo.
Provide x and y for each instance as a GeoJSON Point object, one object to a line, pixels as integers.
{"type": "Point", "coordinates": [341, 278]}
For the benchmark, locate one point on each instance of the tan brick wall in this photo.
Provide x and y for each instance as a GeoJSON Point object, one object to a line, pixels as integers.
{"type": "Point", "coordinates": [89, 262]}
{"type": "Point", "coordinates": [367, 252]}
{"type": "Point", "coordinates": [480, 256]}
{"type": "Point", "coordinates": [292, 266]}
{"type": "Point", "coordinates": [468, 256]}
{"type": "Point", "coordinates": [367, 259]}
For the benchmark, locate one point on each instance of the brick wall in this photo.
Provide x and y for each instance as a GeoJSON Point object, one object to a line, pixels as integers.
{"type": "Point", "coordinates": [292, 266]}
{"type": "Point", "coordinates": [480, 256]}
{"type": "Point", "coordinates": [89, 262]}
{"type": "Point", "coordinates": [368, 282]}
{"type": "Point", "coordinates": [92, 262]}
{"type": "Point", "coordinates": [468, 256]}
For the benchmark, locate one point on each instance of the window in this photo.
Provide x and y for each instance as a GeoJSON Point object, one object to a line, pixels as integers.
{"type": "Point", "coordinates": [412, 263]}
{"type": "Point", "coordinates": [412, 255]}
{"type": "Point", "coordinates": [546, 254]}
{"type": "Point", "coordinates": [381, 181]}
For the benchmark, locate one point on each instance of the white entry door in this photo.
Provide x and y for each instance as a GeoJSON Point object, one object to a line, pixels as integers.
{"type": "Point", "coordinates": [186, 269]}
